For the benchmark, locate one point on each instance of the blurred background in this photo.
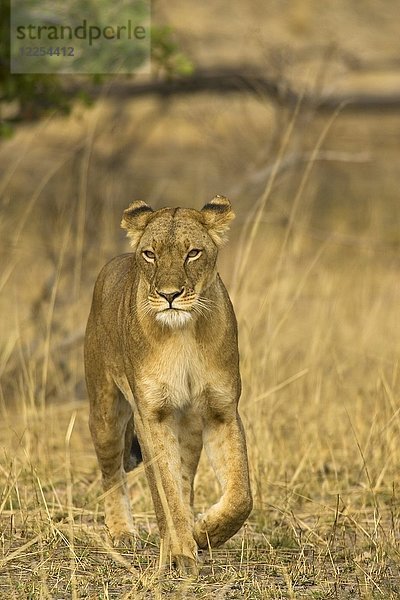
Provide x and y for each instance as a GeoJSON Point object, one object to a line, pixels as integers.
{"type": "Point", "coordinates": [254, 84]}
{"type": "Point", "coordinates": [291, 109]}
{"type": "Point", "coordinates": [293, 112]}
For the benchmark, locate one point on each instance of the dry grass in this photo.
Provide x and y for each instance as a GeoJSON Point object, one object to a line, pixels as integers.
{"type": "Point", "coordinates": [316, 294]}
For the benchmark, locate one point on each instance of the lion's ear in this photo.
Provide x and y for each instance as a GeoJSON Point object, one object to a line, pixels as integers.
{"type": "Point", "coordinates": [216, 216]}
{"type": "Point", "coordinates": [135, 219]}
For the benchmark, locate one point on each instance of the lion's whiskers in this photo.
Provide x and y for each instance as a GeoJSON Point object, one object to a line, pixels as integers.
{"type": "Point", "coordinates": [145, 308]}
{"type": "Point", "coordinates": [200, 309]}
{"type": "Point", "coordinates": [204, 304]}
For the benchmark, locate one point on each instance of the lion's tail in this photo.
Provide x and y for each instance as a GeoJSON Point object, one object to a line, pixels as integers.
{"type": "Point", "coordinates": [133, 453]}
{"type": "Point", "coordinates": [135, 457]}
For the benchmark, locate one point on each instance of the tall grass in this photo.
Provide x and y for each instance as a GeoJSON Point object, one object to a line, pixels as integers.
{"type": "Point", "coordinates": [319, 341]}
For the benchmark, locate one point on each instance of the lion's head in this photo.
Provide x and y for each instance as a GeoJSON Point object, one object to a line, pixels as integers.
{"type": "Point", "coordinates": [176, 251]}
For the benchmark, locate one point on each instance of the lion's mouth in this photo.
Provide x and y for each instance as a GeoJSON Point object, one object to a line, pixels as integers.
{"type": "Point", "coordinates": [173, 317]}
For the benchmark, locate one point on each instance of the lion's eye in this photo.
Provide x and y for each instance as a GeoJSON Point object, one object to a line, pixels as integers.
{"type": "Point", "coordinates": [193, 254]}
{"type": "Point", "coordinates": [148, 255]}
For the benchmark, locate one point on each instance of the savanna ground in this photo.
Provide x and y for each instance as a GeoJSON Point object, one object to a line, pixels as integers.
{"type": "Point", "coordinates": [312, 267]}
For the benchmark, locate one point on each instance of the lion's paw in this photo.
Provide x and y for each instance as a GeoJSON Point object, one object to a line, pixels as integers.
{"type": "Point", "coordinates": [123, 537]}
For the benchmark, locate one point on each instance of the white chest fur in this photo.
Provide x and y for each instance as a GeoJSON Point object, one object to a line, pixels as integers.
{"type": "Point", "coordinates": [177, 374]}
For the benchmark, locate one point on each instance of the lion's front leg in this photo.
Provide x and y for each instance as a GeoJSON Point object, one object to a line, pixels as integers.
{"type": "Point", "coordinates": [225, 445]}
{"type": "Point", "coordinates": [159, 438]}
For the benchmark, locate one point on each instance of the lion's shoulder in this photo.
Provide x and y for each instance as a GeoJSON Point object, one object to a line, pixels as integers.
{"type": "Point", "coordinates": [116, 271]}
{"type": "Point", "coordinates": [118, 265]}
{"type": "Point", "coordinates": [113, 283]}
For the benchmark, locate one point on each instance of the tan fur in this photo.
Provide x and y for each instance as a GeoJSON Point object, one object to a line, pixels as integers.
{"type": "Point", "coordinates": [161, 344]}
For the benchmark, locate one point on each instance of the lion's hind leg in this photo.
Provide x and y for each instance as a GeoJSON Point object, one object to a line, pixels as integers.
{"type": "Point", "coordinates": [190, 445]}
{"type": "Point", "coordinates": [110, 414]}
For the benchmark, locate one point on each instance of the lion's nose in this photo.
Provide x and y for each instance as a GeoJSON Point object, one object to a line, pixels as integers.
{"type": "Point", "coordinates": [170, 296]}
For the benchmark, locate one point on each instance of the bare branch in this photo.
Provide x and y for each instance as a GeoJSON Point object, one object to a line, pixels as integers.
{"type": "Point", "coordinates": [228, 80]}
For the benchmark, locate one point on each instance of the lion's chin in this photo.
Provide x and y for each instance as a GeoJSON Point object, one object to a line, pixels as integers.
{"type": "Point", "coordinates": [173, 318]}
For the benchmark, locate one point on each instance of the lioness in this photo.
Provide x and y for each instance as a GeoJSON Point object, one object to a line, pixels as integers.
{"type": "Point", "coordinates": [161, 361]}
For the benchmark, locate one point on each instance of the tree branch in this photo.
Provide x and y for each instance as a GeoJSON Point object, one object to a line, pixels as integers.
{"type": "Point", "coordinates": [228, 80]}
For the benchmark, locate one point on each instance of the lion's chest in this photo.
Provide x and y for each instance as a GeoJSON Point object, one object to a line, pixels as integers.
{"type": "Point", "coordinates": [178, 374]}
